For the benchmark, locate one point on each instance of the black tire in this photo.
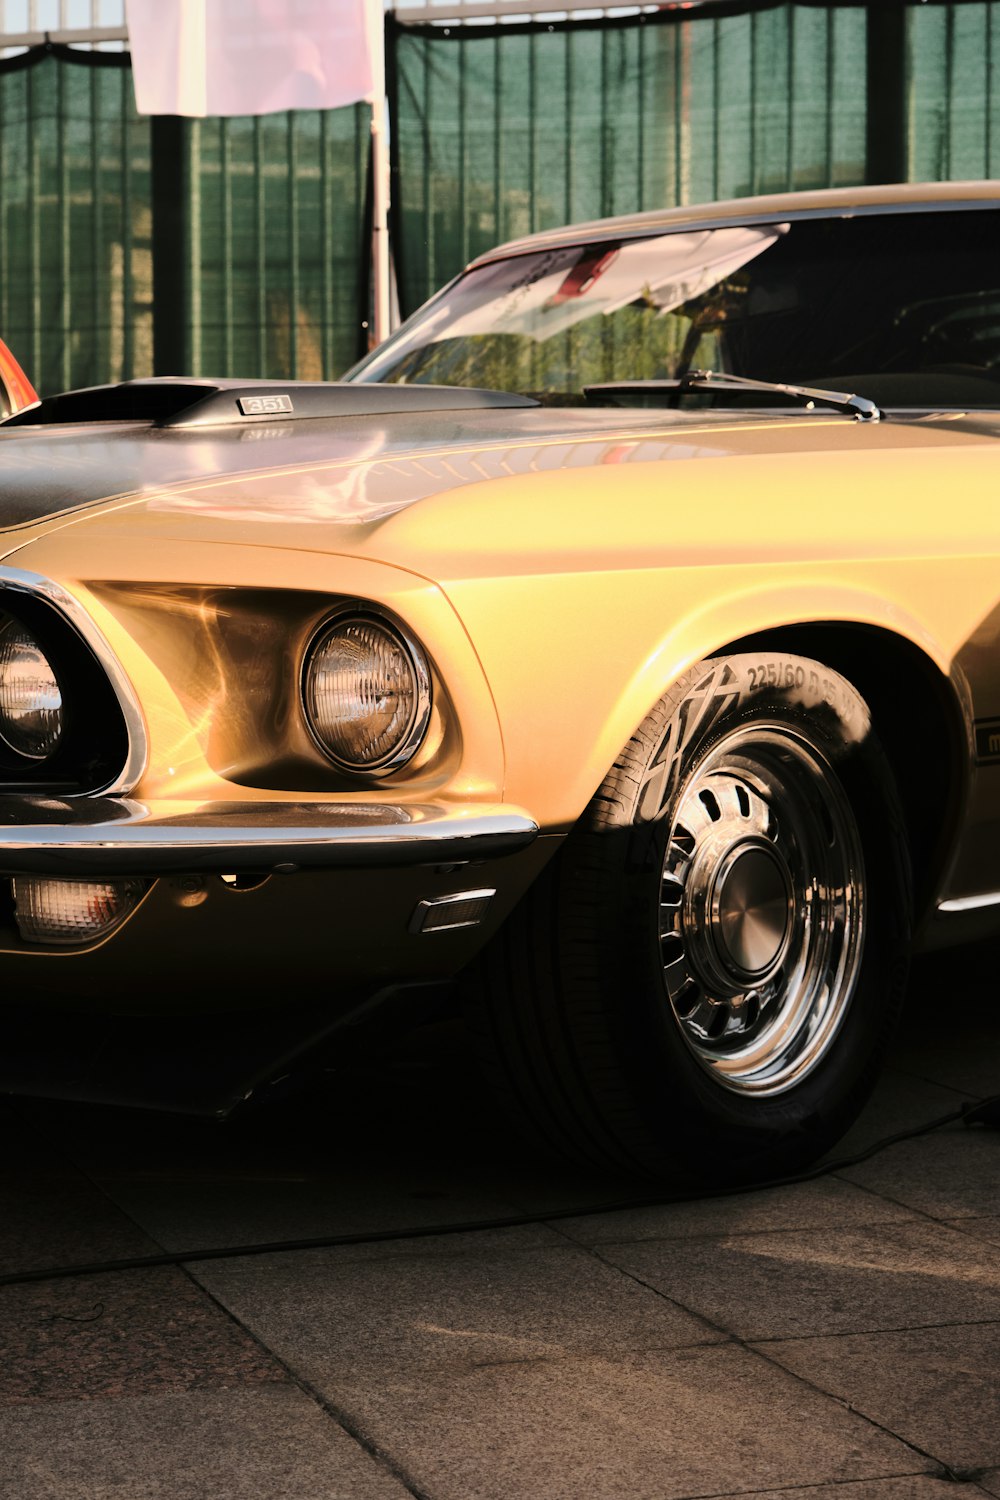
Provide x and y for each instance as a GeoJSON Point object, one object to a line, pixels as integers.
{"type": "Point", "coordinates": [712, 1002]}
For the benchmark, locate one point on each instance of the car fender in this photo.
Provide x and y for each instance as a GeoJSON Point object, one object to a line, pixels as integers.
{"type": "Point", "coordinates": [572, 682]}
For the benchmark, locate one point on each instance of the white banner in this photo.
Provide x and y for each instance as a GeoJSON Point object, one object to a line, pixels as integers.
{"type": "Point", "coordinates": [252, 57]}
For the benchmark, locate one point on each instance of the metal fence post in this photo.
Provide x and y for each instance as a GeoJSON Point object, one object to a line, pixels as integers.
{"type": "Point", "coordinates": [174, 312]}
{"type": "Point", "coordinates": [886, 136]}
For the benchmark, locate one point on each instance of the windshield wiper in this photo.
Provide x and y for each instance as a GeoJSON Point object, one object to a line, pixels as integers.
{"type": "Point", "coordinates": [707, 380]}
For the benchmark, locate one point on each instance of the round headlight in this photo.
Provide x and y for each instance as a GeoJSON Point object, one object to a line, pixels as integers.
{"type": "Point", "coordinates": [31, 703]}
{"type": "Point", "coordinates": [367, 694]}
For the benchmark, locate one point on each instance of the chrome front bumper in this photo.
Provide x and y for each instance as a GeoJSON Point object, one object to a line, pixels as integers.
{"type": "Point", "coordinates": [97, 837]}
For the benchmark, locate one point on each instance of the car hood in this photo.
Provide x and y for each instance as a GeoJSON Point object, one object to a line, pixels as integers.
{"type": "Point", "coordinates": [346, 485]}
{"type": "Point", "coordinates": [349, 471]}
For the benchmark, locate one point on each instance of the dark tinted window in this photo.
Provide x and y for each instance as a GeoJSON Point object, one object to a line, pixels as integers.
{"type": "Point", "coordinates": [904, 307]}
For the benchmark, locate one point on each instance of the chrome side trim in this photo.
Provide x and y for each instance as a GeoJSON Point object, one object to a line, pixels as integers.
{"type": "Point", "coordinates": [970, 903]}
{"type": "Point", "coordinates": [17, 580]}
{"type": "Point", "coordinates": [105, 836]}
{"type": "Point", "coordinates": [455, 903]}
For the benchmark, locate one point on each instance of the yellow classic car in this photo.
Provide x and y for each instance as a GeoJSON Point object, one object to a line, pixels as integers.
{"type": "Point", "coordinates": [616, 646]}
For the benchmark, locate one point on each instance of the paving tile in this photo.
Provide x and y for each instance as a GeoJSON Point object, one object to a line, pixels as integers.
{"type": "Point", "coordinates": [981, 1229]}
{"type": "Point", "coordinates": [412, 1247]}
{"type": "Point", "coordinates": [949, 1175]}
{"type": "Point", "coordinates": [900, 1102]}
{"type": "Point", "coordinates": [826, 1203]}
{"type": "Point", "coordinates": [506, 1363]}
{"type": "Point", "coordinates": [823, 1281]}
{"type": "Point", "coordinates": [50, 1214]}
{"type": "Point", "coordinates": [938, 1388]}
{"type": "Point", "coordinates": [210, 1211]}
{"type": "Point", "coordinates": [542, 1186]}
{"type": "Point", "coordinates": [657, 1425]}
{"type": "Point", "coordinates": [288, 1177]}
{"type": "Point", "coordinates": [59, 1219]}
{"type": "Point", "coordinates": [906, 1487]}
{"type": "Point", "coordinates": [269, 1444]}
{"type": "Point", "coordinates": [124, 1334]}
{"type": "Point", "coordinates": [368, 1152]}
{"type": "Point", "coordinates": [375, 1319]}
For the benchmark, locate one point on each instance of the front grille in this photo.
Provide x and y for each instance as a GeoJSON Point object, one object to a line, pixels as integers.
{"type": "Point", "coordinates": [94, 745]}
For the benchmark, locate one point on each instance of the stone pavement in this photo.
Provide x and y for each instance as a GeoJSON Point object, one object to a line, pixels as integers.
{"type": "Point", "coordinates": [836, 1340]}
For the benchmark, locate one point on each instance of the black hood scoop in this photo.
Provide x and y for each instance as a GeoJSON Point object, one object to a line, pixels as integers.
{"type": "Point", "coordinates": [175, 402]}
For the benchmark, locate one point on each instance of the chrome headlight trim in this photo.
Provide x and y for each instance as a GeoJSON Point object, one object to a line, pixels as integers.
{"type": "Point", "coordinates": [20, 581]}
{"type": "Point", "coordinates": [414, 736]}
{"type": "Point", "coordinates": [13, 633]}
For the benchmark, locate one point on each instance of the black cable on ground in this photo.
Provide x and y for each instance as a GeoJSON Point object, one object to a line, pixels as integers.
{"type": "Point", "coordinates": [985, 1112]}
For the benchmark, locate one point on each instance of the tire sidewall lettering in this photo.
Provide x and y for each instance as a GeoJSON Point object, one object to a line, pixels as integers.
{"type": "Point", "coordinates": [741, 688]}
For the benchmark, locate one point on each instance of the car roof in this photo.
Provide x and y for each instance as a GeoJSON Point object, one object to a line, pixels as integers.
{"type": "Point", "coordinates": [818, 203]}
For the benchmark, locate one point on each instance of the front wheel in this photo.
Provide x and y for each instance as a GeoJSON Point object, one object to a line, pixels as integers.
{"type": "Point", "coordinates": [703, 984]}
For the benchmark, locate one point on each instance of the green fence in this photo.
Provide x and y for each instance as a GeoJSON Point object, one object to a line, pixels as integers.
{"type": "Point", "coordinates": [280, 243]}
{"type": "Point", "coordinates": [953, 78]}
{"type": "Point", "coordinates": [130, 246]}
{"type": "Point", "coordinates": [504, 132]}
{"type": "Point", "coordinates": [75, 223]}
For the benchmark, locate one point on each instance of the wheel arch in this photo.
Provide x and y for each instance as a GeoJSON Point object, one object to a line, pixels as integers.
{"type": "Point", "coordinates": [889, 670]}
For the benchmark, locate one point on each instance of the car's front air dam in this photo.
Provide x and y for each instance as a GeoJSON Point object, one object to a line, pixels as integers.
{"type": "Point", "coordinates": [256, 905]}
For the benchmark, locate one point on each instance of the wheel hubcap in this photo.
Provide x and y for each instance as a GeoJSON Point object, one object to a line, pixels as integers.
{"type": "Point", "coordinates": [761, 919]}
{"type": "Point", "coordinates": [750, 910]}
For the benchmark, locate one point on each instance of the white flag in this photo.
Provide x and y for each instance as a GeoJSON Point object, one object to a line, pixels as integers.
{"type": "Point", "coordinates": [251, 57]}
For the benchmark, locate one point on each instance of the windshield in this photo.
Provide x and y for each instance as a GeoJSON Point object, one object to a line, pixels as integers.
{"type": "Point", "coordinates": [902, 307]}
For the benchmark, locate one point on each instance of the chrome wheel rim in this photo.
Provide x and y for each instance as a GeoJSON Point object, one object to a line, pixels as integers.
{"type": "Point", "coordinates": [761, 910]}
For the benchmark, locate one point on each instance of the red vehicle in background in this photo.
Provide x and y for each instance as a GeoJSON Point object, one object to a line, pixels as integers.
{"type": "Point", "coordinates": [16, 390]}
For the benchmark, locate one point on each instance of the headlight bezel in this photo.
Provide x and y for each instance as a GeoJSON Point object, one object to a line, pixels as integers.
{"type": "Point", "coordinates": [94, 746]}
{"type": "Point", "coordinates": [9, 731]}
{"type": "Point", "coordinates": [415, 733]}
